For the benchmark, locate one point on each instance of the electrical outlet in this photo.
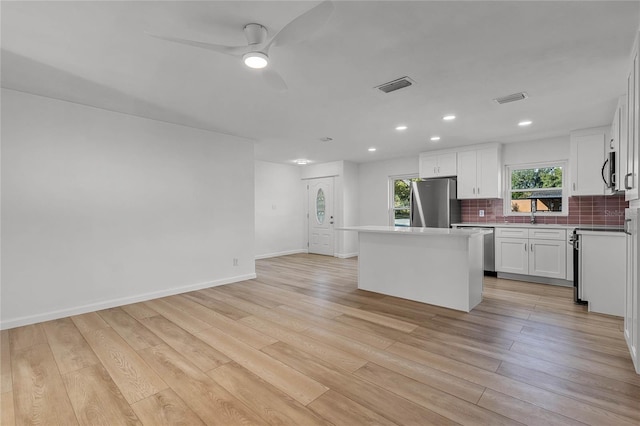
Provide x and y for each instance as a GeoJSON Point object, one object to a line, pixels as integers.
{"type": "Point", "coordinates": [481, 213]}
{"type": "Point", "coordinates": [235, 261]}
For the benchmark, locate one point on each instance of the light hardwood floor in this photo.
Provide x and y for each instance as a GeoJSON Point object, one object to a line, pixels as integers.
{"type": "Point", "coordinates": [301, 345]}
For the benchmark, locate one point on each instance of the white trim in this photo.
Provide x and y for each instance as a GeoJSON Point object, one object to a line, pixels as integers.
{"type": "Point", "coordinates": [92, 307]}
{"type": "Point", "coordinates": [346, 255]}
{"type": "Point", "coordinates": [320, 177]}
{"type": "Point", "coordinates": [535, 279]}
{"type": "Point", "coordinates": [281, 253]}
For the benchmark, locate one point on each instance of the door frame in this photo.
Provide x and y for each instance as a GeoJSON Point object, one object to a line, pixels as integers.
{"type": "Point", "coordinates": [306, 183]}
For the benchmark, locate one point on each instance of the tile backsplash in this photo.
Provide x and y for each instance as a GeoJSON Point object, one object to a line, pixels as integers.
{"type": "Point", "coordinates": [592, 210]}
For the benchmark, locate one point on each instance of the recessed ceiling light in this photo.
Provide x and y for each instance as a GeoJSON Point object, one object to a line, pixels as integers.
{"type": "Point", "coordinates": [401, 127]}
{"type": "Point", "coordinates": [301, 161]}
{"type": "Point", "coordinates": [525, 123]}
{"type": "Point", "coordinates": [449, 117]}
{"type": "Point", "coordinates": [372, 149]}
{"type": "Point", "coordinates": [435, 138]}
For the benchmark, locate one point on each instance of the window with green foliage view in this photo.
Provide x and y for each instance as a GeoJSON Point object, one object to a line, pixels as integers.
{"type": "Point", "coordinates": [536, 188]}
{"type": "Point", "coordinates": [401, 200]}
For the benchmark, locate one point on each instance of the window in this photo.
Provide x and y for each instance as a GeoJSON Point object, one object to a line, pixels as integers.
{"type": "Point", "coordinates": [538, 187]}
{"type": "Point", "coordinates": [320, 207]}
{"type": "Point", "coordinates": [400, 200]}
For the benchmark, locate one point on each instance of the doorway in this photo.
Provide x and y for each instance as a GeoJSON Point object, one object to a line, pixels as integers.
{"type": "Point", "coordinates": [320, 216]}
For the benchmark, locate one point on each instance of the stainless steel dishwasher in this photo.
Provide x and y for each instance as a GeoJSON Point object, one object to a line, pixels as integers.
{"type": "Point", "coordinates": [489, 248]}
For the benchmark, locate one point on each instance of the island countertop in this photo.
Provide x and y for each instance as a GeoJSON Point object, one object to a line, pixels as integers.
{"type": "Point", "coordinates": [399, 230]}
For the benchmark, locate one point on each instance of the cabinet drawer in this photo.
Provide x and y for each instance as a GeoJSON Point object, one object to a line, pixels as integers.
{"type": "Point", "coordinates": [548, 234]}
{"type": "Point", "coordinates": [512, 233]}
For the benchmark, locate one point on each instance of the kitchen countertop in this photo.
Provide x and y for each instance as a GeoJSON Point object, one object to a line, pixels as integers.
{"type": "Point", "coordinates": [398, 230]}
{"type": "Point", "coordinates": [612, 228]}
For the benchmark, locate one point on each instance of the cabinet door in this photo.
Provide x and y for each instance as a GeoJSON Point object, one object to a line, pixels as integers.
{"type": "Point", "coordinates": [587, 157]}
{"type": "Point", "coordinates": [633, 110]}
{"type": "Point", "coordinates": [488, 173]}
{"type": "Point", "coordinates": [548, 258]}
{"type": "Point", "coordinates": [635, 123]}
{"type": "Point", "coordinates": [428, 166]}
{"type": "Point", "coordinates": [512, 255]}
{"type": "Point", "coordinates": [632, 296]}
{"type": "Point", "coordinates": [467, 175]}
{"type": "Point", "coordinates": [613, 146]}
{"type": "Point", "coordinates": [447, 165]}
{"type": "Point", "coordinates": [603, 274]}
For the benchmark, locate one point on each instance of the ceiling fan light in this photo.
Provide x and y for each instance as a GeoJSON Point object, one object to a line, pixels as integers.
{"type": "Point", "coordinates": [255, 60]}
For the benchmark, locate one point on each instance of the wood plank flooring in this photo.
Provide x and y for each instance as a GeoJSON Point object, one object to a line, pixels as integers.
{"type": "Point", "coordinates": [301, 345]}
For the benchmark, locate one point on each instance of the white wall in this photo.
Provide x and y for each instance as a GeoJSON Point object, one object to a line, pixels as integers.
{"type": "Point", "coordinates": [374, 187]}
{"type": "Point", "coordinates": [350, 202]}
{"type": "Point", "coordinates": [280, 226]}
{"type": "Point", "coordinates": [536, 151]}
{"type": "Point", "coordinates": [101, 209]}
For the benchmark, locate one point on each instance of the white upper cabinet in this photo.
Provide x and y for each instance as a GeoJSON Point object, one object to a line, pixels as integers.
{"type": "Point", "coordinates": [437, 165]}
{"type": "Point", "coordinates": [618, 143]}
{"type": "Point", "coordinates": [630, 180]}
{"type": "Point", "coordinates": [479, 173]}
{"type": "Point", "coordinates": [586, 157]}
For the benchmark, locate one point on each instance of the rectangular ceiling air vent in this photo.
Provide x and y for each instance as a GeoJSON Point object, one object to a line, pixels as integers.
{"type": "Point", "coordinates": [394, 85]}
{"type": "Point", "coordinates": [511, 98]}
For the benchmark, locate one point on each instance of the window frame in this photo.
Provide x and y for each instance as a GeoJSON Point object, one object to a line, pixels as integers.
{"type": "Point", "coordinates": [508, 190]}
{"type": "Point", "coordinates": [391, 198]}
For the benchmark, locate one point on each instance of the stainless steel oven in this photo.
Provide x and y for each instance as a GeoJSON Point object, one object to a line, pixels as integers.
{"type": "Point", "coordinates": [577, 285]}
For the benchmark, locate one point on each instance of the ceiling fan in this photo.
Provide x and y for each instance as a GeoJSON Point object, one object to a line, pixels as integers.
{"type": "Point", "coordinates": [256, 53]}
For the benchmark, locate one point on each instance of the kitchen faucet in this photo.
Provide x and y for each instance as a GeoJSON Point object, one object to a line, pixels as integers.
{"type": "Point", "coordinates": [533, 211]}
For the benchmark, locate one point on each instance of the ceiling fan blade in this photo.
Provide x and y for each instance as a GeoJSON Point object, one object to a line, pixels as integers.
{"type": "Point", "coordinates": [274, 80]}
{"type": "Point", "coordinates": [304, 25]}
{"type": "Point", "coordinates": [227, 50]}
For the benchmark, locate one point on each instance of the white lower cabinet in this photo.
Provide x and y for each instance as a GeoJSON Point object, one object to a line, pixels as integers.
{"type": "Point", "coordinates": [632, 292]}
{"type": "Point", "coordinates": [602, 273]}
{"type": "Point", "coordinates": [540, 252]}
{"type": "Point", "coordinates": [512, 255]}
{"type": "Point", "coordinates": [548, 258]}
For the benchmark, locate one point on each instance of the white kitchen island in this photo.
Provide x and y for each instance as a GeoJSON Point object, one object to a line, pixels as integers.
{"type": "Point", "coordinates": [439, 266]}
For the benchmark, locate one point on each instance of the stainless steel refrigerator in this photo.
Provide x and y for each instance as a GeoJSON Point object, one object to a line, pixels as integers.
{"type": "Point", "coordinates": [434, 203]}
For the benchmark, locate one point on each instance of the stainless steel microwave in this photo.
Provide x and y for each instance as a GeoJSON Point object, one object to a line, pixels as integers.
{"type": "Point", "coordinates": [609, 171]}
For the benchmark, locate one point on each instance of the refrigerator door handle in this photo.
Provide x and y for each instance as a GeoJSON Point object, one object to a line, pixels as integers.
{"type": "Point", "coordinates": [410, 209]}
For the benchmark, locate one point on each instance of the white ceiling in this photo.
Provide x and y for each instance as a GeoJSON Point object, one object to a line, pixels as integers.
{"type": "Point", "coordinates": [570, 57]}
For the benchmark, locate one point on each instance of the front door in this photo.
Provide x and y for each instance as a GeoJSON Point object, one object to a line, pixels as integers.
{"type": "Point", "coordinates": [321, 216]}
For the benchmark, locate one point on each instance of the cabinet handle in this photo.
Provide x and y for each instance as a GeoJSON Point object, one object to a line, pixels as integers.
{"type": "Point", "coordinates": [474, 190]}
{"type": "Point", "coordinates": [531, 246]}
{"type": "Point", "coordinates": [438, 169]}
{"type": "Point", "coordinates": [626, 181]}
{"type": "Point", "coordinates": [434, 171]}
{"type": "Point", "coordinates": [525, 247]}
{"type": "Point", "coordinates": [574, 186]}
{"type": "Point", "coordinates": [626, 227]}
{"type": "Point", "coordinates": [478, 190]}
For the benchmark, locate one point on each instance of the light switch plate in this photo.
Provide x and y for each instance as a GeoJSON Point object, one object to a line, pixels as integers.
{"type": "Point", "coordinates": [481, 213]}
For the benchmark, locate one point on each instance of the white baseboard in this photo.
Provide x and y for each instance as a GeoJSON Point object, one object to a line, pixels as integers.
{"type": "Point", "coordinates": [92, 307]}
{"type": "Point", "coordinates": [346, 255]}
{"type": "Point", "coordinates": [281, 253]}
